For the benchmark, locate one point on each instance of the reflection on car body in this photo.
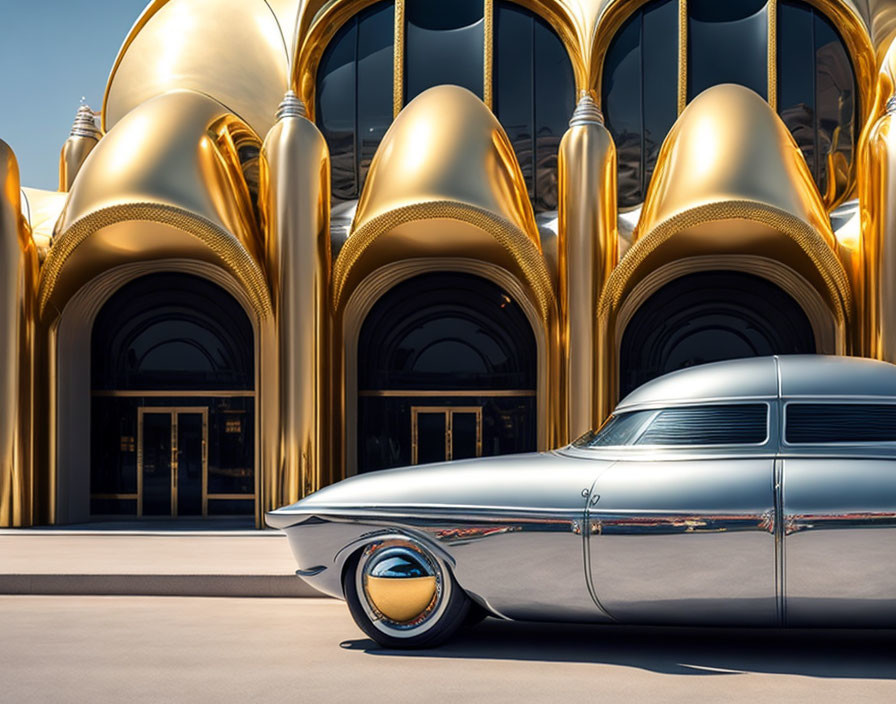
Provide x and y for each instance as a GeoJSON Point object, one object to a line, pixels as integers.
{"type": "Point", "coordinates": [749, 492]}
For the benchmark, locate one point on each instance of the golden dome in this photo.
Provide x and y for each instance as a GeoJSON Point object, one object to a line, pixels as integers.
{"type": "Point", "coordinates": [445, 182]}
{"type": "Point", "coordinates": [235, 51]}
{"type": "Point", "coordinates": [731, 179]}
{"type": "Point", "coordinates": [165, 183]}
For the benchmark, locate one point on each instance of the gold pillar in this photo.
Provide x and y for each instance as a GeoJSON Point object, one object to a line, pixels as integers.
{"type": "Point", "coordinates": [83, 138]}
{"type": "Point", "coordinates": [295, 201]}
{"type": "Point", "coordinates": [877, 183]}
{"type": "Point", "coordinates": [18, 277]}
{"type": "Point", "coordinates": [588, 252]}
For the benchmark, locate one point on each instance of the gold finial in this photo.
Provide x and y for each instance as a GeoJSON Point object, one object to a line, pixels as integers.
{"type": "Point", "coordinates": [586, 112]}
{"type": "Point", "coordinates": [85, 124]}
{"type": "Point", "coordinates": [291, 106]}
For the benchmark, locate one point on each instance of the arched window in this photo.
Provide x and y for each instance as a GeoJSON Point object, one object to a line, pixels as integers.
{"type": "Point", "coordinates": [444, 43]}
{"type": "Point", "coordinates": [532, 83]}
{"type": "Point", "coordinates": [446, 370]}
{"type": "Point", "coordinates": [535, 94]}
{"type": "Point", "coordinates": [172, 331]}
{"type": "Point", "coordinates": [727, 42]}
{"type": "Point", "coordinates": [354, 95]}
{"type": "Point", "coordinates": [173, 409]}
{"type": "Point", "coordinates": [709, 317]}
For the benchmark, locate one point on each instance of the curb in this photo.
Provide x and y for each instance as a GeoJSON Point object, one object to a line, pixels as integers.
{"type": "Point", "coordinates": [157, 585]}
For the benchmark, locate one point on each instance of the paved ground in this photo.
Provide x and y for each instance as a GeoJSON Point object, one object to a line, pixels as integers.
{"type": "Point", "coordinates": [45, 552]}
{"type": "Point", "coordinates": [151, 649]}
{"type": "Point", "coordinates": [157, 561]}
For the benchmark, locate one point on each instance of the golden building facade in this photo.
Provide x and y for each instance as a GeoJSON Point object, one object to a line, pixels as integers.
{"type": "Point", "coordinates": [312, 239]}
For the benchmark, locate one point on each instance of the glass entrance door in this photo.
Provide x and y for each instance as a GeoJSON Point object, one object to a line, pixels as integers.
{"type": "Point", "coordinates": [172, 461]}
{"type": "Point", "coordinates": [440, 433]}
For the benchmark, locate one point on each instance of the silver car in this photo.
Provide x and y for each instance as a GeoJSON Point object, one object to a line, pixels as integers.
{"type": "Point", "coordinates": [756, 492]}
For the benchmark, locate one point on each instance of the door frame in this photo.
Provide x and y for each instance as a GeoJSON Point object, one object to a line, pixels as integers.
{"type": "Point", "coordinates": [172, 412]}
{"type": "Point", "coordinates": [448, 412]}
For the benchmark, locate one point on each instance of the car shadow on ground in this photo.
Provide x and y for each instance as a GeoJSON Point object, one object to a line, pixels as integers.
{"type": "Point", "coordinates": [865, 654]}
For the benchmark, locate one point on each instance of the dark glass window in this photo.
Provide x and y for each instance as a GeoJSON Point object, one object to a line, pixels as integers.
{"type": "Point", "coordinates": [172, 331]}
{"type": "Point", "coordinates": [709, 317]}
{"type": "Point", "coordinates": [639, 93]}
{"type": "Point", "coordinates": [354, 95]}
{"type": "Point", "coordinates": [816, 94]}
{"type": "Point", "coordinates": [446, 331]}
{"type": "Point", "coordinates": [444, 43]}
{"type": "Point", "coordinates": [446, 370]}
{"type": "Point", "coordinates": [534, 96]}
{"type": "Point", "coordinates": [727, 43]}
{"type": "Point", "coordinates": [828, 422]}
{"type": "Point", "coordinates": [708, 425]}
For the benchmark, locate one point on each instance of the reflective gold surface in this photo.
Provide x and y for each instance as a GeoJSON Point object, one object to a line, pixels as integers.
{"type": "Point", "coordinates": [83, 138]}
{"type": "Point", "coordinates": [880, 16]}
{"type": "Point", "coordinates": [18, 277]}
{"type": "Point", "coordinates": [729, 179]}
{"type": "Point", "coordinates": [42, 209]}
{"type": "Point", "coordinates": [445, 182]}
{"type": "Point", "coordinates": [295, 208]}
{"type": "Point", "coordinates": [232, 50]}
{"type": "Point", "coordinates": [165, 182]}
{"type": "Point", "coordinates": [196, 84]}
{"type": "Point", "coordinates": [400, 599]}
{"type": "Point", "coordinates": [587, 243]}
{"type": "Point", "coordinates": [878, 215]}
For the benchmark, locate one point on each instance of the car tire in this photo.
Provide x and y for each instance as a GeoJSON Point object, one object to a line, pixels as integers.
{"type": "Point", "coordinates": [476, 615]}
{"type": "Point", "coordinates": [443, 617]}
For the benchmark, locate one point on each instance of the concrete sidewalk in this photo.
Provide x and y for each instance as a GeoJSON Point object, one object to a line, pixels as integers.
{"type": "Point", "coordinates": [148, 562]}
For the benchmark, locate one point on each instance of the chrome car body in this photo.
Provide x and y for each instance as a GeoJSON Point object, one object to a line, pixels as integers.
{"type": "Point", "coordinates": [754, 533]}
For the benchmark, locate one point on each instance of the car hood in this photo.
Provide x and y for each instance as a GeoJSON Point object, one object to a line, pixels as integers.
{"type": "Point", "coordinates": [537, 481]}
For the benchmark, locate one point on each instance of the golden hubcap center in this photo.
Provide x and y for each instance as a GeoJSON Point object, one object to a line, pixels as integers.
{"type": "Point", "coordinates": [400, 599]}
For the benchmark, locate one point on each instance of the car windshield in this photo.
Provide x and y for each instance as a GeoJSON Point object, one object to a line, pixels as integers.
{"type": "Point", "coordinates": [619, 429]}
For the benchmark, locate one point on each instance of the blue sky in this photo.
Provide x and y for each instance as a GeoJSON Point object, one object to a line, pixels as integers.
{"type": "Point", "coordinates": [52, 52]}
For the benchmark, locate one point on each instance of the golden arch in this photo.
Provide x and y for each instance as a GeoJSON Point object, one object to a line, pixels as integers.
{"type": "Point", "coordinates": [756, 230]}
{"type": "Point", "coordinates": [455, 203]}
{"type": "Point", "coordinates": [729, 181]}
{"type": "Point", "coordinates": [165, 183]}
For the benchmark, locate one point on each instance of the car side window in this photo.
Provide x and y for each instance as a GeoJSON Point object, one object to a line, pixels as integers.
{"type": "Point", "coordinates": [814, 423]}
{"type": "Point", "coordinates": [742, 424]}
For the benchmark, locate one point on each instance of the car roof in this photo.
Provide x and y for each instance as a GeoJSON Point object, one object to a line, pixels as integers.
{"type": "Point", "coordinates": [822, 375]}
{"type": "Point", "coordinates": [766, 377]}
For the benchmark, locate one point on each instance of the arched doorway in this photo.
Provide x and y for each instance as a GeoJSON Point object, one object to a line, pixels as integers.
{"type": "Point", "coordinates": [447, 369]}
{"type": "Point", "coordinates": [710, 316]}
{"type": "Point", "coordinates": [173, 407]}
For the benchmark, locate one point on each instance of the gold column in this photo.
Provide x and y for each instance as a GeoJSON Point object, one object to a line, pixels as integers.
{"type": "Point", "coordinates": [83, 138]}
{"type": "Point", "coordinates": [588, 252]}
{"type": "Point", "coordinates": [682, 55]}
{"type": "Point", "coordinates": [877, 195]}
{"type": "Point", "coordinates": [295, 201]}
{"type": "Point", "coordinates": [18, 277]}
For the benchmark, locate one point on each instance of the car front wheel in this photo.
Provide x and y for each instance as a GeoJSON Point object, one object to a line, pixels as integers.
{"type": "Point", "coordinates": [403, 596]}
